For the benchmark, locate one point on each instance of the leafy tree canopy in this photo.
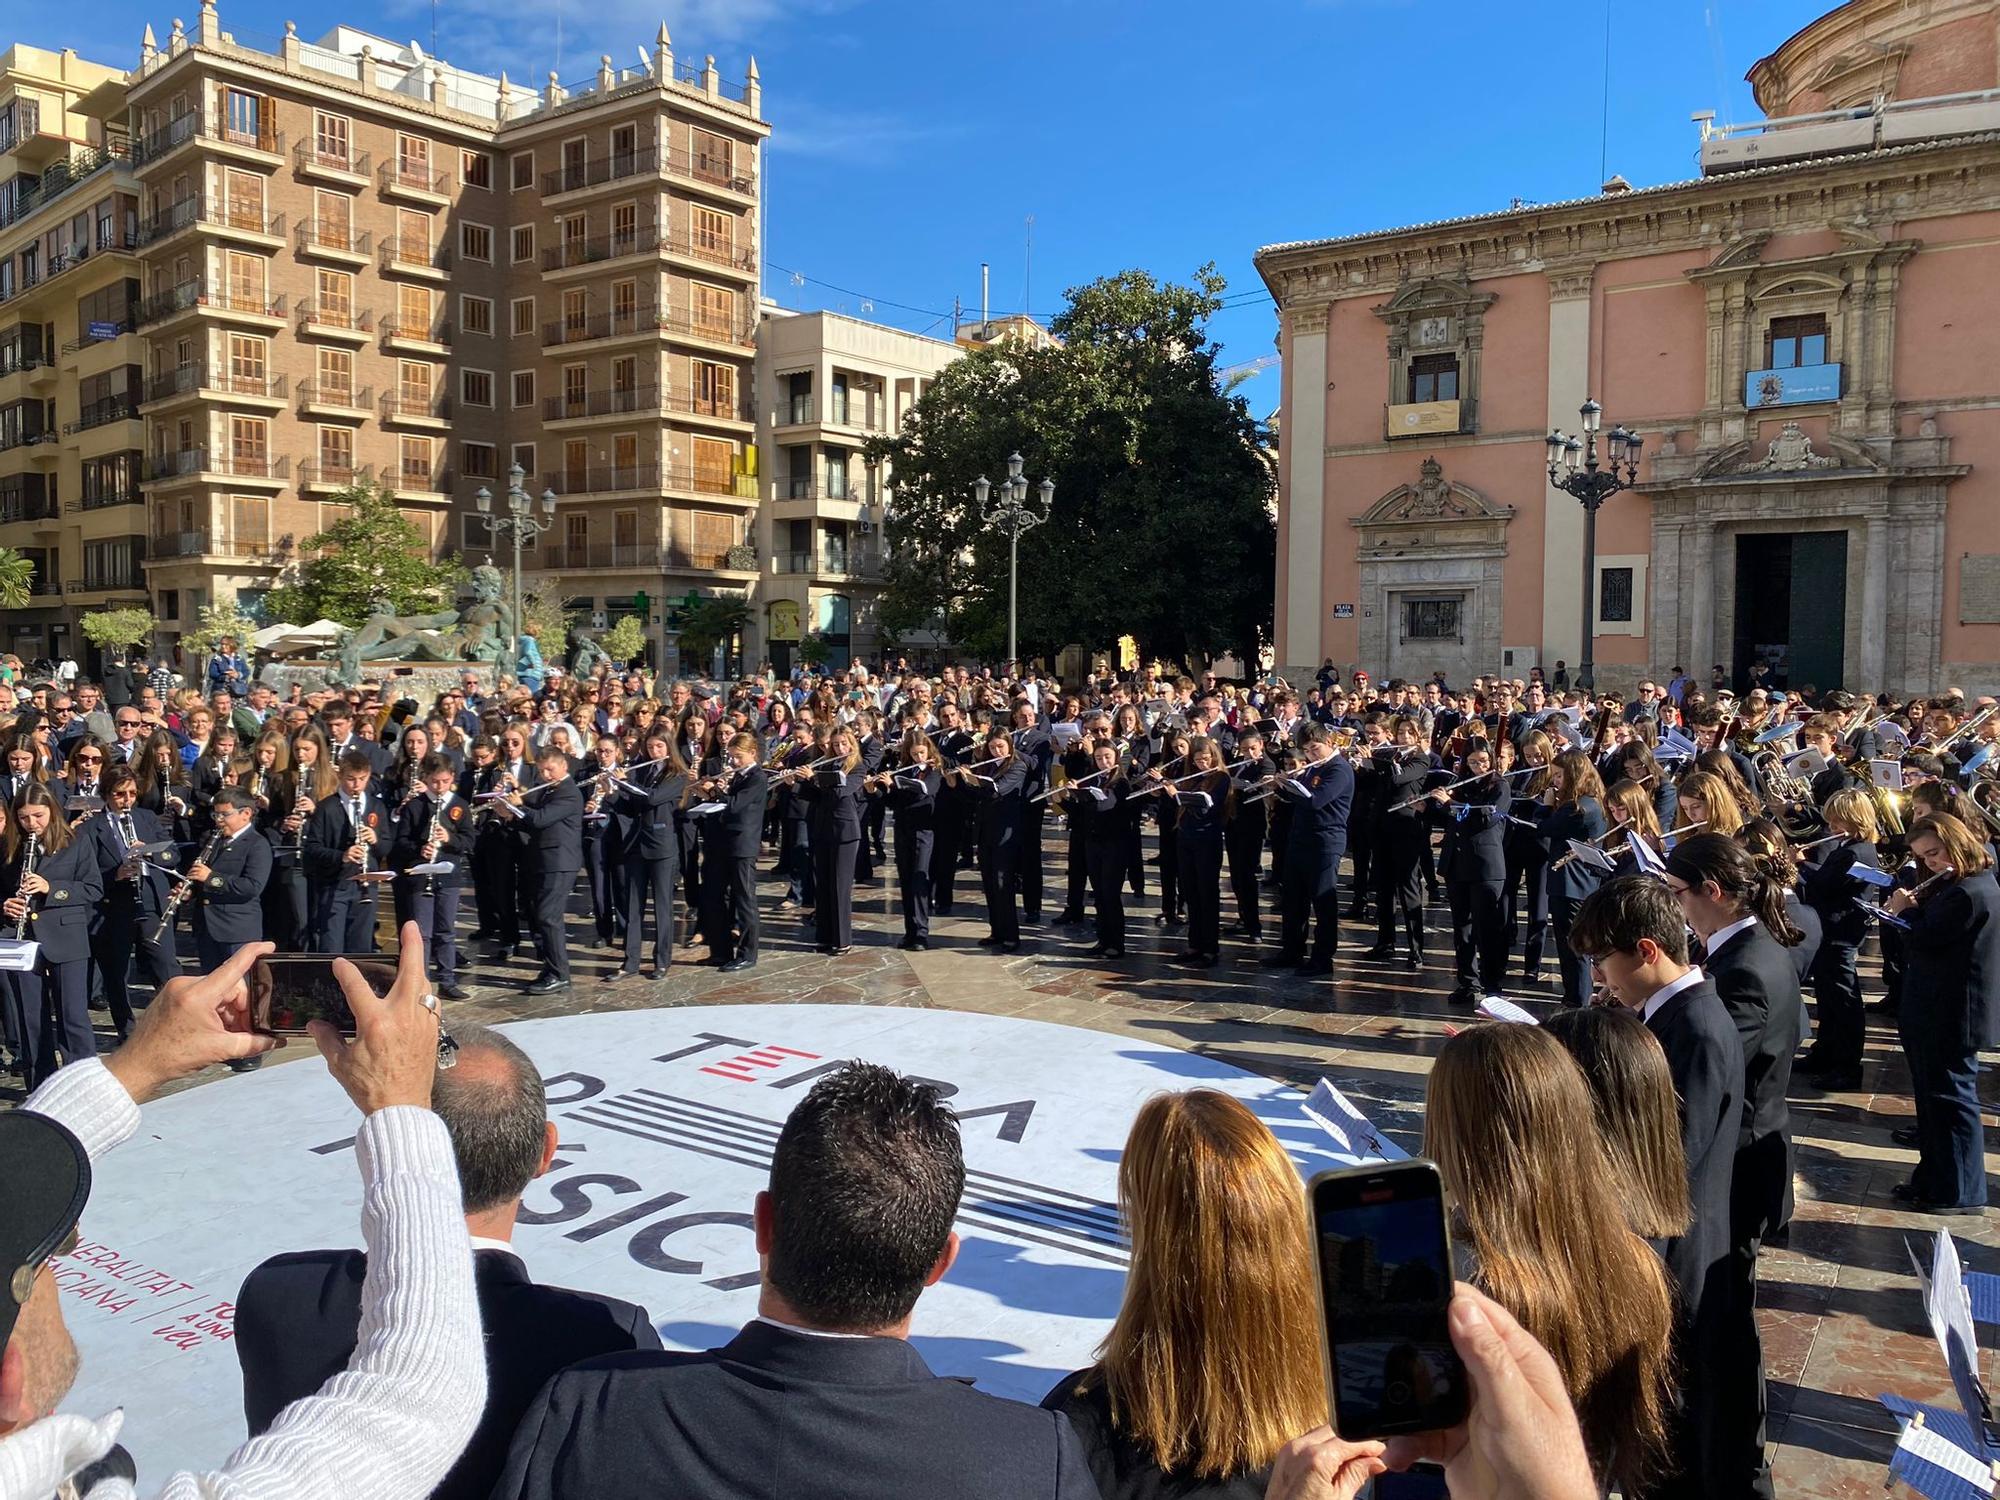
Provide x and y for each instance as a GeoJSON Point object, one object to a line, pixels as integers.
{"type": "Point", "coordinates": [1162, 526]}
{"type": "Point", "coordinates": [370, 554]}
{"type": "Point", "coordinates": [17, 572]}
{"type": "Point", "coordinates": [117, 628]}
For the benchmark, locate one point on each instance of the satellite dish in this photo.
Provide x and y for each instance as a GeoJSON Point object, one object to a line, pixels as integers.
{"type": "Point", "coordinates": [416, 51]}
{"type": "Point", "coordinates": [646, 61]}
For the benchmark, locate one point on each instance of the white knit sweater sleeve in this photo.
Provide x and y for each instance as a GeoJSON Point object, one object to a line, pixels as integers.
{"type": "Point", "coordinates": [90, 1102]}
{"type": "Point", "coordinates": [389, 1425]}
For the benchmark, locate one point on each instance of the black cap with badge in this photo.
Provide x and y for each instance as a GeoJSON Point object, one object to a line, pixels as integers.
{"type": "Point", "coordinates": [44, 1181]}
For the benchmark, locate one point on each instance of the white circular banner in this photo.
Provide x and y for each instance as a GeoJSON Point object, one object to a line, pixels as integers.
{"type": "Point", "coordinates": [667, 1120]}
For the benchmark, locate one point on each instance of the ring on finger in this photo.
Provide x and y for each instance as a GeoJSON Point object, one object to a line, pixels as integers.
{"type": "Point", "coordinates": [429, 1002]}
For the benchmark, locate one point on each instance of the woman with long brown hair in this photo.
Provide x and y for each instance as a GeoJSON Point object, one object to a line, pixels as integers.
{"type": "Point", "coordinates": [1638, 1116]}
{"type": "Point", "coordinates": [1708, 805]}
{"type": "Point", "coordinates": [1508, 1119]}
{"type": "Point", "coordinates": [1947, 1016]}
{"type": "Point", "coordinates": [1575, 803]}
{"type": "Point", "coordinates": [1527, 854]}
{"type": "Point", "coordinates": [1717, 763]}
{"type": "Point", "coordinates": [1632, 818]}
{"type": "Point", "coordinates": [1213, 1364]}
{"type": "Point", "coordinates": [50, 903]}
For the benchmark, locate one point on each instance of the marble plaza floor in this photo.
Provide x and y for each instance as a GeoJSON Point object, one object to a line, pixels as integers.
{"type": "Point", "coordinates": [1839, 1309]}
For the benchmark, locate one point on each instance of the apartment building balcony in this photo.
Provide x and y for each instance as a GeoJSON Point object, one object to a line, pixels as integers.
{"type": "Point", "coordinates": [731, 413]}
{"type": "Point", "coordinates": [604, 171]}
{"type": "Point", "coordinates": [196, 298]}
{"type": "Point", "coordinates": [111, 499]}
{"type": "Point", "coordinates": [337, 244]}
{"type": "Point", "coordinates": [728, 334]}
{"type": "Point", "coordinates": [167, 547]}
{"type": "Point", "coordinates": [421, 484]}
{"type": "Point", "coordinates": [103, 414]}
{"type": "Point", "coordinates": [645, 557]}
{"type": "Point", "coordinates": [320, 474]}
{"type": "Point", "coordinates": [60, 177]}
{"type": "Point", "coordinates": [117, 579]}
{"type": "Point", "coordinates": [105, 332]}
{"type": "Point", "coordinates": [600, 250]}
{"type": "Point", "coordinates": [577, 411]}
{"type": "Point", "coordinates": [198, 381]}
{"type": "Point", "coordinates": [43, 513]}
{"type": "Point", "coordinates": [111, 242]}
{"type": "Point", "coordinates": [831, 564]}
{"type": "Point", "coordinates": [712, 172]}
{"type": "Point", "coordinates": [42, 448]}
{"type": "Point", "coordinates": [28, 140]}
{"type": "Point", "coordinates": [415, 182]}
{"type": "Point", "coordinates": [430, 413]}
{"type": "Point", "coordinates": [848, 416]}
{"type": "Point", "coordinates": [407, 257]}
{"type": "Point", "coordinates": [328, 402]}
{"type": "Point", "coordinates": [805, 492]}
{"type": "Point", "coordinates": [258, 145]}
{"type": "Point", "coordinates": [238, 223]}
{"type": "Point", "coordinates": [710, 485]}
{"type": "Point", "coordinates": [605, 479]}
{"type": "Point", "coordinates": [214, 466]}
{"type": "Point", "coordinates": [348, 169]}
{"type": "Point", "coordinates": [685, 558]}
{"type": "Point", "coordinates": [340, 325]}
{"type": "Point", "coordinates": [708, 254]}
{"type": "Point", "coordinates": [416, 338]}
{"type": "Point", "coordinates": [619, 323]}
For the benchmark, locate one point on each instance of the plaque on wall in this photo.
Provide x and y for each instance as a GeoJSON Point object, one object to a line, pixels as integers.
{"type": "Point", "coordinates": [1979, 588]}
{"type": "Point", "coordinates": [1428, 333]}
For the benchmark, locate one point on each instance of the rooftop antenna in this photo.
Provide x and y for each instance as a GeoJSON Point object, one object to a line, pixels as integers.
{"type": "Point", "coordinates": [1604, 123]}
{"type": "Point", "coordinates": [558, 38]}
{"type": "Point", "coordinates": [1028, 280]}
{"type": "Point", "coordinates": [985, 299]}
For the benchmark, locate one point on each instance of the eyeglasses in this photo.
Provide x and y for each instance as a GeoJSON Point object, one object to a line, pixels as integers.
{"type": "Point", "coordinates": [128, 723]}
{"type": "Point", "coordinates": [89, 760]}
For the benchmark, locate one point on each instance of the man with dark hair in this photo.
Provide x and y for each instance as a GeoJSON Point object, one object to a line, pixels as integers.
{"type": "Point", "coordinates": [822, 1395]}
{"type": "Point", "coordinates": [231, 881]}
{"type": "Point", "coordinates": [552, 814]}
{"type": "Point", "coordinates": [344, 841]}
{"type": "Point", "coordinates": [298, 1316]}
{"type": "Point", "coordinates": [1633, 931]}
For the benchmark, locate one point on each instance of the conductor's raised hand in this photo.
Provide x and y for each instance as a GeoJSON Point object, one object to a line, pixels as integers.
{"type": "Point", "coordinates": [392, 1057]}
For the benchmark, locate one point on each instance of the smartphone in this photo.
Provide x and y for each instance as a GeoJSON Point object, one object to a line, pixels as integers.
{"type": "Point", "coordinates": [1385, 1282]}
{"type": "Point", "coordinates": [289, 989]}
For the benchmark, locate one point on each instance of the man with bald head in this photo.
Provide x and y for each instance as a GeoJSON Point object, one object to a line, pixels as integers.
{"type": "Point", "coordinates": [298, 1315]}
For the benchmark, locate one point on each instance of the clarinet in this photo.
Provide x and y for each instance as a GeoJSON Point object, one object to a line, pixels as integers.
{"type": "Point", "coordinates": [435, 842]}
{"type": "Point", "coordinates": [28, 858]}
{"type": "Point", "coordinates": [128, 831]}
{"type": "Point", "coordinates": [180, 892]}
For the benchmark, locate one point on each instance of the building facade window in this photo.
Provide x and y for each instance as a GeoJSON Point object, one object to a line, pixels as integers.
{"type": "Point", "coordinates": [1434, 377]}
{"type": "Point", "coordinates": [521, 169]}
{"type": "Point", "coordinates": [1431, 619]}
{"type": "Point", "coordinates": [476, 314]}
{"type": "Point", "coordinates": [1791, 343]}
{"type": "Point", "coordinates": [476, 459]}
{"type": "Point", "coordinates": [521, 244]}
{"type": "Point", "coordinates": [332, 140]}
{"type": "Point", "coordinates": [475, 387]}
{"type": "Point", "coordinates": [475, 241]}
{"type": "Point", "coordinates": [521, 312]}
{"type": "Point", "coordinates": [524, 388]}
{"type": "Point", "coordinates": [477, 169]}
{"type": "Point", "coordinates": [1614, 596]}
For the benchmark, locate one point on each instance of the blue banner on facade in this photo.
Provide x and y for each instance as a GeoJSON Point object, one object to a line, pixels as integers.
{"type": "Point", "coordinates": [1792, 387]}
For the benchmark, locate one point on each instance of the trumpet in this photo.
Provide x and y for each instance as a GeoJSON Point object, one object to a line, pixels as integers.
{"type": "Point", "coordinates": [28, 858]}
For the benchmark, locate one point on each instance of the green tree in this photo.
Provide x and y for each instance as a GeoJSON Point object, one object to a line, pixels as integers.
{"type": "Point", "coordinates": [17, 574]}
{"type": "Point", "coordinates": [626, 641]}
{"type": "Point", "coordinates": [117, 629]}
{"type": "Point", "coordinates": [546, 616]}
{"type": "Point", "coordinates": [813, 650]}
{"type": "Point", "coordinates": [1162, 525]}
{"type": "Point", "coordinates": [370, 554]}
{"type": "Point", "coordinates": [217, 620]}
{"type": "Point", "coordinates": [708, 624]}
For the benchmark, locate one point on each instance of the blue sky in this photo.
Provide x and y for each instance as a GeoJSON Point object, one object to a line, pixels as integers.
{"type": "Point", "coordinates": [914, 140]}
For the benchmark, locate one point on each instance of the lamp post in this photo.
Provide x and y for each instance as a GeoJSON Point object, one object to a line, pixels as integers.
{"type": "Point", "coordinates": [521, 525]}
{"type": "Point", "coordinates": [1593, 482]}
{"type": "Point", "coordinates": [1010, 512]}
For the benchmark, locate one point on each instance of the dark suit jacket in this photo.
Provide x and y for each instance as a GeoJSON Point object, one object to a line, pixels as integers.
{"type": "Point", "coordinates": [330, 832]}
{"type": "Point", "coordinates": [554, 821]}
{"type": "Point", "coordinates": [776, 1415]}
{"type": "Point", "coordinates": [1475, 846]}
{"type": "Point", "coordinates": [1953, 949]}
{"type": "Point", "coordinates": [1582, 820]}
{"type": "Point", "coordinates": [735, 832]}
{"type": "Point", "coordinates": [232, 898]}
{"type": "Point", "coordinates": [1830, 888]}
{"type": "Point", "coordinates": [110, 849]}
{"type": "Point", "coordinates": [59, 919]}
{"type": "Point", "coordinates": [832, 800]}
{"type": "Point", "coordinates": [1319, 808]}
{"type": "Point", "coordinates": [1754, 977]}
{"type": "Point", "coordinates": [412, 830]}
{"type": "Point", "coordinates": [642, 822]}
{"type": "Point", "coordinates": [1705, 1056]}
{"type": "Point", "coordinates": [297, 1320]}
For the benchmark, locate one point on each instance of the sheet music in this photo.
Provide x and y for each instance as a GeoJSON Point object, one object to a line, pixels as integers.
{"type": "Point", "coordinates": [1950, 1313]}
{"type": "Point", "coordinates": [1353, 1133]}
{"type": "Point", "coordinates": [18, 957]}
{"type": "Point", "coordinates": [1924, 1443]}
{"type": "Point", "coordinates": [1498, 1008]}
{"type": "Point", "coordinates": [1591, 855]}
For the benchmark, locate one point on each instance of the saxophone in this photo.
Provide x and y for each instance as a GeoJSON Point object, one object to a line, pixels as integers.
{"type": "Point", "coordinates": [28, 858]}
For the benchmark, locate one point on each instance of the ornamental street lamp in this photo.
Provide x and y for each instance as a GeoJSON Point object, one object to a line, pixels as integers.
{"type": "Point", "coordinates": [521, 525]}
{"type": "Point", "coordinates": [1010, 512]}
{"type": "Point", "coordinates": [1592, 482]}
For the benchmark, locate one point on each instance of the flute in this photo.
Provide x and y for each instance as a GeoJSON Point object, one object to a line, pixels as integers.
{"type": "Point", "coordinates": [1066, 786]}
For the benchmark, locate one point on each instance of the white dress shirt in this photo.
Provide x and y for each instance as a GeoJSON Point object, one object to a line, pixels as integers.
{"type": "Point", "coordinates": [1670, 989]}
{"type": "Point", "coordinates": [1722, 935]}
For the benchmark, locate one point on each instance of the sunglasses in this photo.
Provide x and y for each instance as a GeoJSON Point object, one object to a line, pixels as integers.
{"type": "Point", "coordinates": [128, 723]}
{"type": "Point", "coordinates": [89, 760]}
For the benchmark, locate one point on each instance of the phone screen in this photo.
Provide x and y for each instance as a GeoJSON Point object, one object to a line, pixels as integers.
{"type": "Point", "coordinates": [289, 989]}
{"type": "Point", "coordinates": [1385, 1289]}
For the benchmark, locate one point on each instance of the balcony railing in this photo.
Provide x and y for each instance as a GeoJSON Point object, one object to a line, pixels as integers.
{"type": "Point", "coordinates": [309, 154]}
{"type": "Point", "coordinates": [800, 411]}
{"type": "Point", "coordinates": [181, 129]}
{"type": "Point", "coordinates": [703, 167]}
{"type": "Point", "coordinates": [202, 209]}
{"type": "Point", "coordinates": [600, 404]}
{"type": "Point", "coordinates": [343, 473]}
{"type": "Point", "coordinates": [741, 331]}
{"type": "Point", "coordinates": [26, 508]}
{"type": "Point", "coordinates": [707, 482]}
{"type": "Point", "coordinates": [415, 176]}
{"type": "Point", "coordinates": [190, 461]}
{"type": "Point", "coordinates": [601, 555]}
{"type": "Point", "coordinates": [197, 293]}
{"type": "Point", "coordinates": [705, 247]}
{"type": "Point", "coordinates": [129, 575]}
{"type": "Point", "coordinates": [15, 360]}
{"type": "Point", "coordinates": [705, 559]}
{"type": "Point", "coordinates": [196, 377]}
{"type": "Point", "coordinates": [423, 481]}
{"type": "Point", "coordinates": [98, 333]}
{"type": "Point", "coordinates": [805, 487]}
{"type": "Point", "coordinates": [106, 499]}
{"type": "Point", "coordinates": [26, 439]}
{"type": "Point", "coordinates": [176, 544]}
{"type": "Point", "coordinates": [437, 331]}
{"type": "Point", "coordinates": [604, 479]}
{"type": "Point", "coordinates": [60, 178]}
{"type": "Point", "coordinates": [639, 240]}
{"type": "Point", "coordinates": [603, 325]}
{"type": "Point", "coordinates": [325, 393]}
{"type": "Point", "coordinates": [342, 239]}
{"type": "Point", "coordinates": [399, 252]}
{"type": "Point", "coordinates": [397, 404]}
{"type": "Point", "coordinates": [320, 315]}
{"type": "Point", "coordinates": [706, 406]}
{"type": "Point", "coordinates": [103, 414]}
{"type": "Point", "coordinates": [613, 168]}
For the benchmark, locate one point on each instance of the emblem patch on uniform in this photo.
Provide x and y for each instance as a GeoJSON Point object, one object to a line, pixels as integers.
{"type": "Point", "coordinates": [457, 813]}
{"type": "Point", "coordinates": [215, 882]}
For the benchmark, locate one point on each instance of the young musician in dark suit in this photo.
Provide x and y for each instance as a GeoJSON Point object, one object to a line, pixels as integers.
{"type": "Point", "coordinates": [795, 855]}
{"type": "Point", "coordinates": [1103, 809]}
{"type": "Point", "coordinates": [911, 790]}
{"type": "Point", "coordinates": [729, 854]}
{"type": "Point", "coordinates": [1319, 797]}
{"type": "Point", "coordinates": [642, 825]}
{"type": "Point", "coordinates": [1037, 753]}
{"type": "Point", "coordinates": [435, 827]}
{"type": "Point", "coordinates": [1575, 811]}
{"type": "Point", "coordinates": [134, 894]}
{"type": "Point", "coordinates": [1401, 841]}
{"type": "Point", "coordinates": [345, 839]}
{"type": "Point", "coordinates": [1249, 823]}
{"type": "Point", "coordinates": [1528, 854]}
{"type": "Point", "coordinates": [1474, 819]}
{"type": "Point", "coordinates": [1171, 762]}
{"type": "Point", "coordinates": [1633, 930]}
{"type": "Point", "coordinates": [956, 815]}
{"type": "Point", "coordinates": [51, 905]}
{"type": "Point", "coordinates": [1952, 952]}
{"type": "Point", "coordinates": [1077, 762]}
{"type": "Point", "coordinates": [832, 797]}
{"type": "Point", "coordinates": [873, 753]}
{"type": "Point", "coordinates": [298, 1316]}
{"type": "Point", "coordinates": [551, 815]}
{"type": "Point", "coordinates": [996, 788]}
{"type": "Point", "coordinates": [1200, 810]}
{"type": "Point", "coordinates": [601, 850]}
{"type": "Point", "coordinates": [230, 882]}
{"type": "Point", "coordinates": [1830, 887]}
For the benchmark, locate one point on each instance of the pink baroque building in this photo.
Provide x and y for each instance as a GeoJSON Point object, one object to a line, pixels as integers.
{"type": "Point", "coordinates": [1807, 335]}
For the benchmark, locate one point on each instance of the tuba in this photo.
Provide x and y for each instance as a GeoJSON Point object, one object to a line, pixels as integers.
{"type": "Point", "coordinates": [1788, 799]}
